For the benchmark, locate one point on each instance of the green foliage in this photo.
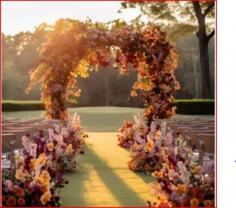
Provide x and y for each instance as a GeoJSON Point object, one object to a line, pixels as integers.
{"type": "Point", "coordinates": [177, 18]}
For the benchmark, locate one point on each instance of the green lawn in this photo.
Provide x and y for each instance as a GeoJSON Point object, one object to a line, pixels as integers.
{"type": "Point", "coordinates": [96, 118]}
{"type": "Point", "coordinates": [103, 178]}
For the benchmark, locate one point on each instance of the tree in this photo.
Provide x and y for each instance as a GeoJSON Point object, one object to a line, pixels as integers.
{"type": "Point", "coordinates": [181, 18]}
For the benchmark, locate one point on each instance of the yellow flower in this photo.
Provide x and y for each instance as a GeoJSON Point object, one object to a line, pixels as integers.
{"type": "Point", "coordinates": [150, 145]}
{"type": "Point", "coordinates": [69, 149]}
{"type": "Point", "coordinates": [42, 183]}
{"type": "Point", "coordinates": [194, 202]}
{"type": "Point", "coordinates": [50, 146]}
{"type": "Point", "coordinates": [33, 164]}
{"type": "Point", "coordinates": [158, 134]}
{"type": "Point", "coordinates": [208, 203]}
{"type": "Point", "coordinates": [181, 188]}
{"type": "Point", "coordinates": [82, 69]}
{"type": "Point", "coordinates": [20, 175]}
{"type": "Point", "coordinates": [135, 146]}
{"type": "Point", "coordinates": [45, 177]}
{"type": "Point", "coordinates": [162, 200]}
{"type": "Point", "coordinates": [41, 159]}
{"type": "Point", "coordinates": [46, 197]}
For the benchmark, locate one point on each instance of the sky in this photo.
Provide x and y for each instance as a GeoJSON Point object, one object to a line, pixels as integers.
{"type": "Point", "coordinates": [25, 16]}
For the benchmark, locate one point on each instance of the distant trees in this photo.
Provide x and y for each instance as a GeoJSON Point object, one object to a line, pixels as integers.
{"type": "Point", "coordinates": [19, 54]}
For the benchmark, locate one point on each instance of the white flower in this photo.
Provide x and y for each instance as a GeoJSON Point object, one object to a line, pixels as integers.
{"type": "Point", "coordinates": [64, 132]}
{"type": "Point", "coordinates": [184, 173]}
{"type": "Point", "coordinates": [25, 142]}
{"type": "Point", "coordinates": [50, 133]}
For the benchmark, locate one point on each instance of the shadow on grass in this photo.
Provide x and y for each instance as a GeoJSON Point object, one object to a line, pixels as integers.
{"type": "Point", "coordinates": [73, 193]}
{"type": "Point", "coordinates": [123, 193]}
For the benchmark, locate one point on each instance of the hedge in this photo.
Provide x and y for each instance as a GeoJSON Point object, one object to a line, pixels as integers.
{"type": "Point", "coordinates": [195, 107]}
{"type": "Point", "coordinates": [191, 106]}
{"type": "Point", "coordinates": [22, 105]}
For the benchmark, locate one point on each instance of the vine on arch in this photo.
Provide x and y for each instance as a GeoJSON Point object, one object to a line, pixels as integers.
{"type": "Point", "coordinates": [75, 48]}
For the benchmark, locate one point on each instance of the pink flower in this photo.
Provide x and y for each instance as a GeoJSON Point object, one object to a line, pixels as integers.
{"type": "Point", "coordinates": [25, 142]}
{"type": "Point", "coordinates": [8, 184]}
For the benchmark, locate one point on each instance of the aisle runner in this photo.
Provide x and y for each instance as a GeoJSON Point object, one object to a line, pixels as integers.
{"type": "Point", "coordinates": [103, 177]}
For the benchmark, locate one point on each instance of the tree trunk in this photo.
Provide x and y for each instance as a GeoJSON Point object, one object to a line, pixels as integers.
{"type": "Point", "coordinates": [203, 40]}
{"type": "Point", "coordinates": [205, 66]}
{"type": "Point", "coordinates": [196, 76]}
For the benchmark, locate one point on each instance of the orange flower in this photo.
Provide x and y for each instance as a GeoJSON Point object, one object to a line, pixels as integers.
{"type": "Point", "coordinates": [196, 170]}
{"type": "Point", "coordinates": [41, 159]}
{"type": "Point", "coordinates": [194, 202]}
{"type": "Point", "coordinates": [50, 146]}
{"type": "Point", "coordinates": [150, 145]}
{"type": "Point", "coordinates": [69, 149]}
{"type": "Point", "coordinates": [46, 197]}
{"type": "Point", "coordinates": [158, 174]}
{"type": "Point", "coordinates": [158, 134]}
{"type": "Point", "coordinates": [208, 203]}
{"type": "Point", "coordinates": [20, 175]}
{"type": "Point", "coordinates": [181, 188]}
{"type": "Point", "coordinates": [18, 191]}
{"type": "Point", "coordinates": [33, 164]}
{"type": "Point", "coordinates": [21, 202]}
{"type": "Point", "coordinates": [133, 93]}
{"type": "Point", "coordinates": [11, 201]}
{"type": "Point", "coordinates": [162, 201]}
{"type": "Point", "coordinates": [45, 177]}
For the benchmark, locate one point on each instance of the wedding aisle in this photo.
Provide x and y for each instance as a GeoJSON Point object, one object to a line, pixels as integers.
{"type": "Point", "coordinates": [103, 178]}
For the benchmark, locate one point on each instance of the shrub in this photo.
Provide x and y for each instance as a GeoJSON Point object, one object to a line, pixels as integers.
{"type": "Point", "coordinates": [22, 105]}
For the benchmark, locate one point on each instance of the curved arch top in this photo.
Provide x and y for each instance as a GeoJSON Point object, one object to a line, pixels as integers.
{"type": "Point", "coordinates": [74, 48]}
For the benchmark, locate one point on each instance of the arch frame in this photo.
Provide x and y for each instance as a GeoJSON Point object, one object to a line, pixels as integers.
{"type": "Point", "coordinates": [74, 48]}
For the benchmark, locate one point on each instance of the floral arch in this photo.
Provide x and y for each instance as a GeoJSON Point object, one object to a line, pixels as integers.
{"type": "Point", "coordinates": [75, 48]}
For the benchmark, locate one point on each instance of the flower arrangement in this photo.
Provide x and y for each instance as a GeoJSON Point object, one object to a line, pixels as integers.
{"type": "Point", "coordinates": [74, 48]}
{"type": "Point", "coordinates": [168, 156]}
{"type": "Point", "coordinates": [130, 131]}
{"type": "Point", "coordinates": [184, 185]}
{"type": "Point", "coordinates": [31, 183]}
{"type": "Point", "coordinates": [37, 171]}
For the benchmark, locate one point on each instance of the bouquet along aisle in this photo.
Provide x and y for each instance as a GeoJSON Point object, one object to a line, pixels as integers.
{"type": "Point", "coordinates": [181, 178]}
{"type": "Point", "coordinates": [37, 172]}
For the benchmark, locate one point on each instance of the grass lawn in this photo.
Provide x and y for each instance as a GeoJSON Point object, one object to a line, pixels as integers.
{"type": "Point", "coordinates": [103, 178]}
{"type": "Point", "coordinates": [97, 118]}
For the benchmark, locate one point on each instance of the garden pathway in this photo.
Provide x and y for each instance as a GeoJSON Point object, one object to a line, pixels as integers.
{"type": "Point", "coordinates": [103, 177]}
